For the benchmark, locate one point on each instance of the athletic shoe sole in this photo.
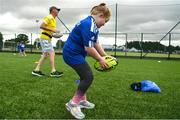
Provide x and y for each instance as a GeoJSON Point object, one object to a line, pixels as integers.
{"type": "Point", "coordinates": [81, 106]}
{"type": "Point", "coordinates": [69, 109]}
{"type": "Point", "coordinates": [56, 75]}
{"type": "Point", "coordinates": [35, 74]}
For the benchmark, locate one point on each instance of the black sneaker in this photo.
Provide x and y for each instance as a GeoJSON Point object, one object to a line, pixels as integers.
{"type": "Point", "coordinates": [37, 73]}
{"type": "Point", "coordinates": [56, 74]}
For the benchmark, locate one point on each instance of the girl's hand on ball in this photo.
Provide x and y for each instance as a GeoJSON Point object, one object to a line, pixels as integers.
{"type": "Point", "coordinates": [103, 63]}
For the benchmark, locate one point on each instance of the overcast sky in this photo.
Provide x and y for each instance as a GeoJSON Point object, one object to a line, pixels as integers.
{"type": "Point", "coordinates": [134, 16]}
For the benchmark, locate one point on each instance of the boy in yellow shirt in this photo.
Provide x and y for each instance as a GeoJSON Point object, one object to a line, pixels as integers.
{"type": "Point", "coordinates": [48, 27]}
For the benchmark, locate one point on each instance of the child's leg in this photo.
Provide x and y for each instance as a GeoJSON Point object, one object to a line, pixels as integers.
{"type": "Point", "coordinates": [75, 105]}
{"type": "Point", "coordinates": [86, 77]}
{"type": "Point", "coordinates": [51, 56]}
{"type": "Point", "coordinates": [45, 54]}
{"type": "Point", "coordinates": [41, 61]}
{"type": "Point", "coordinates": [24, 53]}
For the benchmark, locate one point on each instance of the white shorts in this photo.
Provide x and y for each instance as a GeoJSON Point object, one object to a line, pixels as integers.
{"type": "Point", "coordinates": [46, 46]}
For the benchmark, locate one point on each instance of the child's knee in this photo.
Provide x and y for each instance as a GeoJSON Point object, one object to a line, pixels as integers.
{"type": "Point", "coordinates": [45, 55]}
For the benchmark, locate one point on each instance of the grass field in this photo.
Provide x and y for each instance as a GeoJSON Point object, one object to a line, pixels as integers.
{"type": "Point", "coordinates": [27, 97]}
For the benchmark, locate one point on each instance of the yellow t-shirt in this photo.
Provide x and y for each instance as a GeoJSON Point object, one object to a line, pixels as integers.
{"type": "Point", "coordinates": [51, 23]}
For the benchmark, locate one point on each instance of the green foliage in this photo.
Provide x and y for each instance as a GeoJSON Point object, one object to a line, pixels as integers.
{"type": "Point", "coordinates": [22, 38]}
{"type": "Point", "coordinates": [14, 42]}
{"type": "Point", "coordinates": [60, 44]}
{"type": "Point", "coordinates": [24, 96]}
{"type": "Point", "coordinates": [10, 43]}
{"type": "Point", "coordinates": [1, 41]}
{"type": "Point", "coordinates": [151, 46]}
{"type": "Point", "coordinates": [37, 44]}
{"type": "Point", "coordinates": [1, 37]}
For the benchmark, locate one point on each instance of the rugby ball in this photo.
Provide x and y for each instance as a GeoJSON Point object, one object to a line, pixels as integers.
{"type": "Point", "coordinates": [111, 62]}
{"type": "Point", "coordinates": [57, 35]}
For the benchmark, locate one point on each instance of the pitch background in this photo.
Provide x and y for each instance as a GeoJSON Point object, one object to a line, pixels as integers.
{"type": "Point", "coordinates": [27, 97]}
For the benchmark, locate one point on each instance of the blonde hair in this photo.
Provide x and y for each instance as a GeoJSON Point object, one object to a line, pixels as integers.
{"type": "Point", "coordinates": [101, 8]}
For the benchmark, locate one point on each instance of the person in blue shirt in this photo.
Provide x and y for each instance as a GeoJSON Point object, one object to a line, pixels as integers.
{"type": "Point", "coordinates": [83, 40]}
{"type": "Point", "coordinates": [22, 48]}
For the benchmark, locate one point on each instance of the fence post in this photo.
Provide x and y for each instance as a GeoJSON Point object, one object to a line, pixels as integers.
{"type": "Point", "coordinates": [15, 44]}
{"type": "Point", "coordinates": [115, 32]}
{"type": "Point", "coordinates": [169, 49]}
{"type": "Point", "coordinates": [31, 42]}
{"type": "Point", "coordinates": [3, 45]}
{"type": "Point", "coordinates": [126, 45]}
{"type": "Point", "coordinates": [141, 45]}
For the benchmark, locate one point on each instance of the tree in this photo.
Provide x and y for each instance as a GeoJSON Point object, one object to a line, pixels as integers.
{"type": "Point", "coordinates": [10, 43]}
{"type": "Point", "coordinates": [60, 44]}
{"type": "Point", "coordinates": [1, 41]}
{"type": "Point", "coordinates": [22, 38]}
{"type": "Point", "coordinates": [37, 43]}
{"type": "Point", "coordinates": [152, 46]}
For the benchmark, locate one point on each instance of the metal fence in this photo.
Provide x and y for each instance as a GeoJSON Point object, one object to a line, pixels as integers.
{"type": "Point", "coordinates": [147, 45]}
{"type": "Point", "coordinates": [141, 45]}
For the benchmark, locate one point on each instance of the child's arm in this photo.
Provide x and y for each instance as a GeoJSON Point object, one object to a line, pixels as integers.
{"type": "Point", "coordinates": [93, 53]}
{"type": "Point", "coordinates": [100, 49]}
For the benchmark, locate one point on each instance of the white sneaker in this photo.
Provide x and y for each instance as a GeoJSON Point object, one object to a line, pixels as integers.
{"type": "Point", "coordinates": [86, 104]}
{"type": "Point", "coordinates": [75, 110]}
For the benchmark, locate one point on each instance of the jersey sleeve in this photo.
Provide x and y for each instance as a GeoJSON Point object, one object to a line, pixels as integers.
{"type": "Point", "coordinates": [88, 35]}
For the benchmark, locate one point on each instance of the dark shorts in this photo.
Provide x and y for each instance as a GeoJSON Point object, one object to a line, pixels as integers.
{"type": "Point", "coordinates": [21, 50]}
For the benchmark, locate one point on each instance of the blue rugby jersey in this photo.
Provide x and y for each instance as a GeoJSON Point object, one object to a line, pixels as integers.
{"type": "Point", "coordinates": [84, 34]}
{"type": "Point", "coordinates": [22, 46]}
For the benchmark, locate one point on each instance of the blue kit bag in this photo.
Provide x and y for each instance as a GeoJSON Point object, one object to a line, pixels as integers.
{"type": "Point", "coordinates": [146, 86]}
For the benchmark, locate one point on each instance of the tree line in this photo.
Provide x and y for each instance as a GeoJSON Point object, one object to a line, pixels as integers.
{"type": "Point", "coordinates": [152, 46]}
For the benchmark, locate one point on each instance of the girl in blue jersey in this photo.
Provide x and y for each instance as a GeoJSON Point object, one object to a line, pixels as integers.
{"type": "Point", "coordinates": [83, 40]}
{"type": "Point", "coordinates": [22, 48]}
